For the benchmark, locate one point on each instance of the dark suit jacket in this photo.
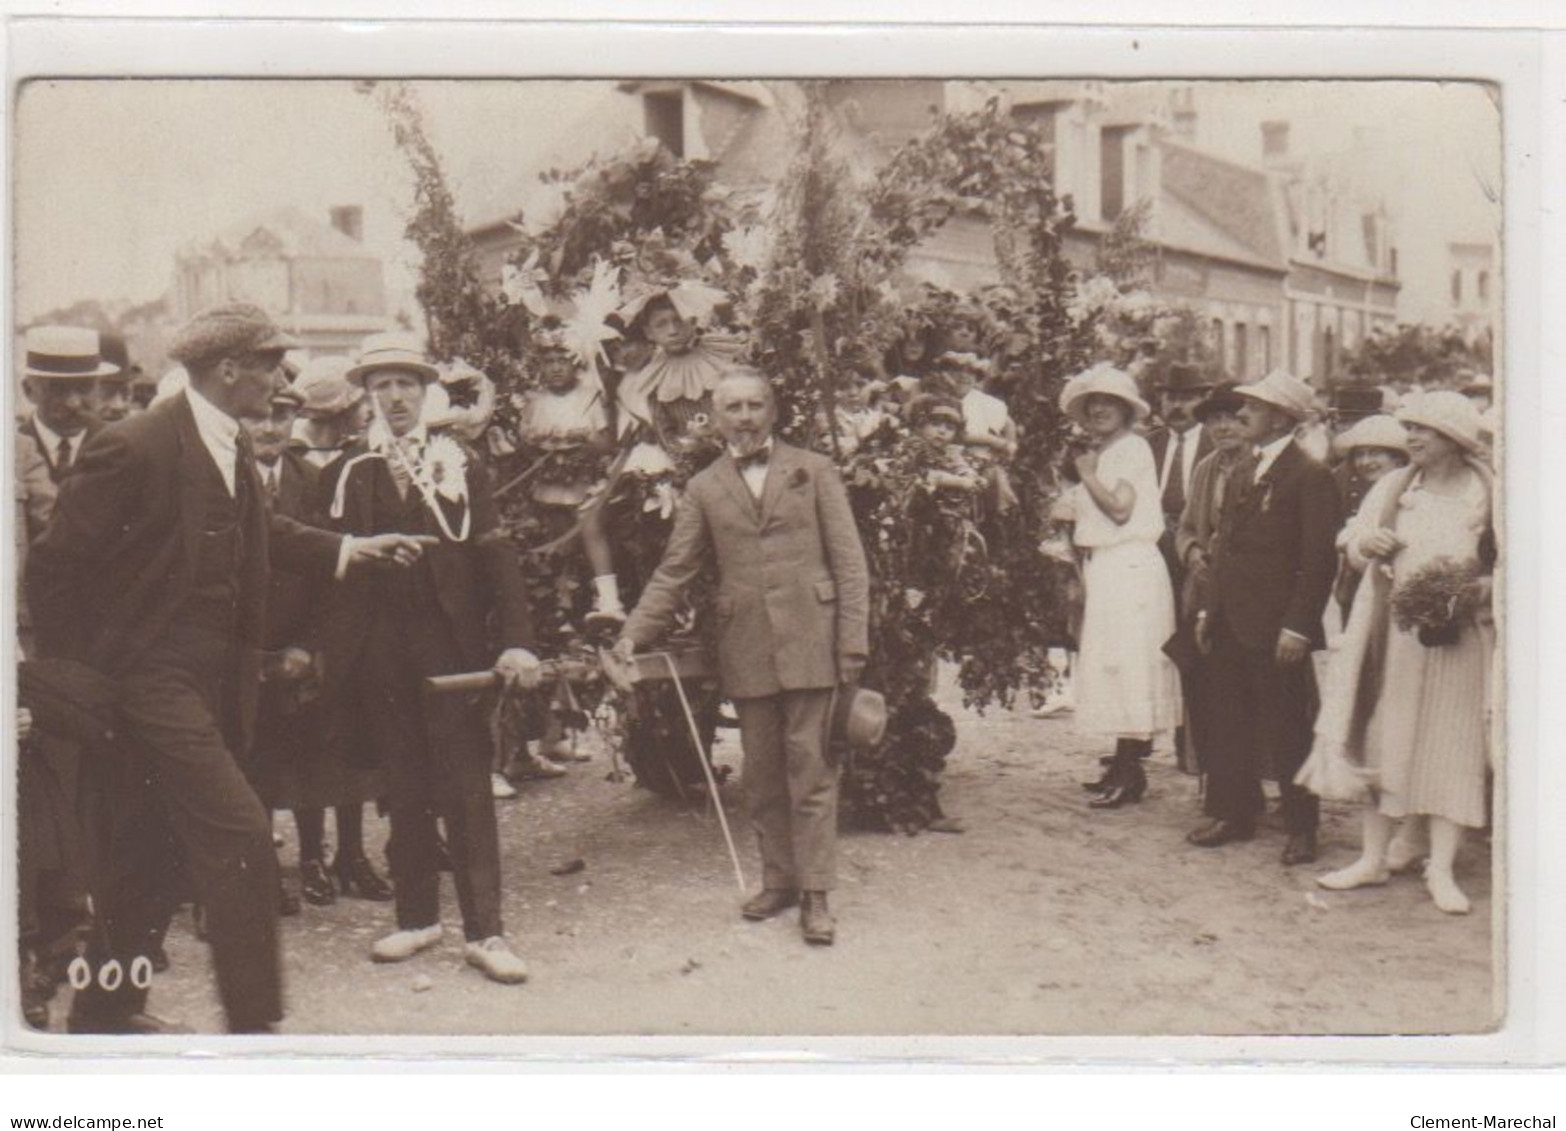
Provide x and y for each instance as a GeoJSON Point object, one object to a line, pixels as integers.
{"type": "Point", "coordinates": [1275, 553]}
{"type": "Point", "coordinates": [1159, 440]}
{"type": "Point", "coordinates": [29, 427]}
{"type": "Point", "coordinates": [471, 579]}
{"type": "Point", "coordinates": [118, 556]}
{"type": "Point", "coordinates": [295, 600]}
{"type": "Point", "coordinates": [793, 587]}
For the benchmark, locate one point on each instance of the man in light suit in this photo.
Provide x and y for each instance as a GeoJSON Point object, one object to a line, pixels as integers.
{"type": "Point", "coordinates": [1260, 617]}
{"type": "Point", "coordinates": [793, 610]}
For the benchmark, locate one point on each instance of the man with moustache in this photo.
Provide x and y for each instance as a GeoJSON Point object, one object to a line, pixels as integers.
{"type": "Point", "coordinates": [1260, 616]}
{"type": "Point", "coordinates": [153, 573]}
{"type": "Point", "coordinates": [386, 634]}
{"type": "Point", "coordinates": [1178, 447]}
{"type": "Point", "coordinates": [792, 609]}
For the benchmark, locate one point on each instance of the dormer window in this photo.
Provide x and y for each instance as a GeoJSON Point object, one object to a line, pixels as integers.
{"type": "Point", "coordinates": [665, 119]}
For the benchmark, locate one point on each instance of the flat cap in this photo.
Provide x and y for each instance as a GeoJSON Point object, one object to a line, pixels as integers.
{"type": "Point", "coordinates": [228, 331]}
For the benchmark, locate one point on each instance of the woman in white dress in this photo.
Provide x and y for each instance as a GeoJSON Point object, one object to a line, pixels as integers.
{"type": "Point", "coordinates": [1405, 725]}
{"type": "Point", "coordinates": [1127, 687]}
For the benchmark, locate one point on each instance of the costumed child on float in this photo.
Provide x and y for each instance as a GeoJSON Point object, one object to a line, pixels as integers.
{"type": "Point", "coordinates": [665, 406]}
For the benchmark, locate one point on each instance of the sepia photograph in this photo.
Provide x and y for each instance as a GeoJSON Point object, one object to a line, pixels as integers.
{"type": "Point", "coordinates": [843, 557]}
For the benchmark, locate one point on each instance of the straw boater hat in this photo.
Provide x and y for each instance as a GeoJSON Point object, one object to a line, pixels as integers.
{"type": "Point", "coordinates": [228, 331]}
{"type": "Point", "coordinates": [324, 389]}
{"type": "Point", "coordinates": [1378, 431]}
{"type": "Point", "coordinates": [1105, 380]}
{"type": "Point", "coordinates": [1451, 414]}
{"type": "Point", "coordinates": [1356, 402]}
{"type": "Point", "coordinates": [392, 350]}
{"type": "Point", "coordinates": [1282, 390]}
{"type": "Point", "coordinates": [64, 351]}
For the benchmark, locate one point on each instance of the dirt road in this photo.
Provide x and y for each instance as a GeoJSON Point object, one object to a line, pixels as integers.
{"type": "Point", "coordinates": [1043, 918]}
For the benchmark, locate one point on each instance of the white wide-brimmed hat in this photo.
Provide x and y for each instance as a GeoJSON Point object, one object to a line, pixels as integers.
{"type": "Point", "coordinates": [64, 351]}
{"type": "Point", "coordinates": [1282, 390]}
{"type": "Point", "coordinates": [1105, 380]}
{"type": "Point", "coordinates": [1379, 431]}
{"type": "Point", "coordinates": [1451, 414]}
{"type": "Point", "coordinates": [392, 350]}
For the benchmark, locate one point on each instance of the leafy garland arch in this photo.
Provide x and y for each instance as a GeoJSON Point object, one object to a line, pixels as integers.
{"type": "Point", "coordinates": [817, 286]}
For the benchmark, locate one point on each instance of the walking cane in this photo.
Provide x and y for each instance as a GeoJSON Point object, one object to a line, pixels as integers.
{"type": "Point", "coordinates": [706, 769]}
{"type": "Point", "coordinates": [624, 677]}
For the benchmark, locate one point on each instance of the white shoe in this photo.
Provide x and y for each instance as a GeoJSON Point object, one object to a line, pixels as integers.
{"type": "Point", "coordinates": [500, 788]}
{"type": "Point", "coordinates": [399, 946]}
{"type": "Point", "coordinates": [1360, 874]}
{"type": "Point", "coordinates": [1405, 853]}
{"type": "Point", "coordinates": [1053, 708]}
{"type": "Point", "coordinates": [497, 960]}
{"type": "Point", "coordinates": [1447, 895]}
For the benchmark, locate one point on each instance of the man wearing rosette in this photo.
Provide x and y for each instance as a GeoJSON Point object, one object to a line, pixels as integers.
{"type": "Point", "coordinates": [386, 633]}
{"type": "Point", "coordinates": [793, 612]}
{"type": "Point", "coordinates": [1273, 563]}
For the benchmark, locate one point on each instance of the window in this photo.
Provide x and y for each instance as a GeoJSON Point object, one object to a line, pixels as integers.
{"type": "Point", "coordinates": [1457, 286]}
{"type": "Point", "coordinates": [1264, 347]}
{"type": "Point", "coordinates": [1484, 286]}
{"type": "Point", "coordinates": [1392, 262]}
{"type": "Point", "coordinates": [1240, 351]}
{"type": "Point", "coordinates": [1112, 171]}
{"type": "Point", "coordinates": [665, 119]}
{"type": "Point", "coordinates": [1218, 343]}
{"type": "Point", "coordinates": [1328, 353]}
{"type": "Point", "coordinates": [1275, 139]}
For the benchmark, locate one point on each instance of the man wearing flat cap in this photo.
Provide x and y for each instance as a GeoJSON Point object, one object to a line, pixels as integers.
{"type": "Point", "coordinates": [1273, 564]}
{"type": "Point", "coordinates": [792, 609]}
{"type": "Point", "coordinates": [153, 572]}
{"type": "Point", "coordinates": [1178, 446]}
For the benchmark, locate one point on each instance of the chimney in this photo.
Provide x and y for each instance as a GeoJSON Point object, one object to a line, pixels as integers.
{"type": "Point", "coordinates": [349, 220]}
{"type": "Point", "coordinates": [1182, 114]}
{"type": "Point", "coordinates": [1275, 141]}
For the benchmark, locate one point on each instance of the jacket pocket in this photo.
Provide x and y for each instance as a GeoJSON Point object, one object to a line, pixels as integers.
{"type": "Point", "coordinates": [826, 591]}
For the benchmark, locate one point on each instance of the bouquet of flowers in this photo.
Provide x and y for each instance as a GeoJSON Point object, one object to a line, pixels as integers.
{"type": "Point", "coordinates": [1436, 599]}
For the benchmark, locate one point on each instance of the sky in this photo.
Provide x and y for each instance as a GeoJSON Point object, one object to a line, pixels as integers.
{"type": "Point", "coordinates": [113, 176]}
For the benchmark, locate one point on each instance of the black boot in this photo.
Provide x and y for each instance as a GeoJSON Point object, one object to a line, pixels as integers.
{"type": "Point", "coordinates": [1127, 780]}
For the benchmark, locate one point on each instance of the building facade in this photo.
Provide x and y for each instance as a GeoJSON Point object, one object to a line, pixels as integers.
{"type": "Point", "coordinates": [316, 277]}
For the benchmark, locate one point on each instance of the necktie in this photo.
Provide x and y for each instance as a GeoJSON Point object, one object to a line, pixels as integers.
{"type": "Point", "coordinates": [1174, 486]}
{"type": "Point", "coordinates": [271, 479]}
{"type": "Point", "coordinates": [62, 455]}
{"type": "Point", "coordinates": [407, 458]}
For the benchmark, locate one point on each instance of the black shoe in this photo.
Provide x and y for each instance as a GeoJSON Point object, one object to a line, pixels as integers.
{"type": "Point", "coordinates": [770, 902]}
{"type": "Point", "coordinates": [1104, 780]}
{"type": "Point", "coordinates": [1127, 784]}
{"type": "Point", "coordinates": [815, 921]}
{"type": "Point", "coordinates": [126, 1025]}
{"type": "Point", "coordinates": [1301, 849]}
{"type": "Point", "coordinates": [1220, 832]}
{"type": "Point", "coordinates": [287, 901]}
{"type": "Point", "coordinates": [315, 884]}
{"type": "Point", "coordinates": [159, 958]}
{"type": "Point", "coordinates": [357, 875]}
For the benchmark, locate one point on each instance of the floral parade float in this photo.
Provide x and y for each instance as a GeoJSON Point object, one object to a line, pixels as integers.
{"type": "Point", "coordinates": [657, 278]}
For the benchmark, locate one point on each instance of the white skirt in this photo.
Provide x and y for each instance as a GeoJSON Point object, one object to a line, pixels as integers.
{"type": "Point", "coordinates": [1126, 686]}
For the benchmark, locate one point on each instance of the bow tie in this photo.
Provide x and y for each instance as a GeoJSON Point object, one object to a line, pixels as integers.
{"type": "Point", "coordinates": [757, 458]}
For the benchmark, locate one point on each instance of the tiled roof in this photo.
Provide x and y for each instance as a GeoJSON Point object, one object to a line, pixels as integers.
{"type": "Point", "coordinates": [1220, 208]}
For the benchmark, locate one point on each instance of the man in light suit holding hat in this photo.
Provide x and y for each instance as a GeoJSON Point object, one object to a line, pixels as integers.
{"type": "Point", "coordinates": [153, 573]}
{"type": "Point", "coordinates": [1259, 619]}
{"type": "Point", "coordinates": [792, 609]}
